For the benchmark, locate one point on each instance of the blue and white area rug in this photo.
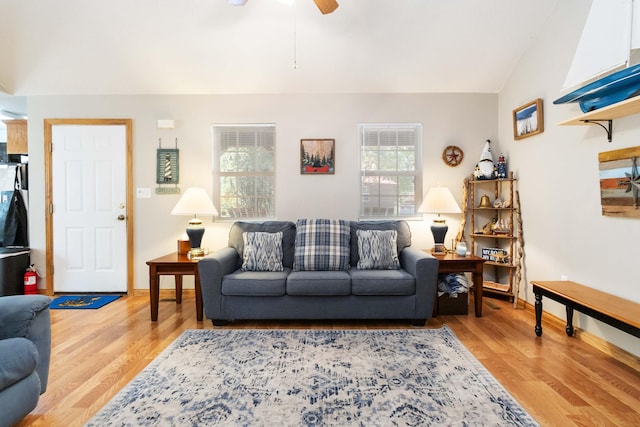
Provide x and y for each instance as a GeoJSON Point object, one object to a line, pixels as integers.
{"type": "Point", "coordinates": [279, 378]}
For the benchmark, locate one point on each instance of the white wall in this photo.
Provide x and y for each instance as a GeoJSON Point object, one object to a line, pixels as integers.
{"type": "Point", "coordinates": [564, 230]}
{"type": "Point", "coordinates": [466, 120]}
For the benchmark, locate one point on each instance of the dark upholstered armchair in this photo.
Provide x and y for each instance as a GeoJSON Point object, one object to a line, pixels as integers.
{"type": "Point", "coordinates": [25, 349]}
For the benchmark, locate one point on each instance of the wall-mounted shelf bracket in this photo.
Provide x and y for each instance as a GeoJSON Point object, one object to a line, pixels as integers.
{"type": "Point", "coordinates": [607, 115]}
{"type": "Point", "coordinates": [608, 129]}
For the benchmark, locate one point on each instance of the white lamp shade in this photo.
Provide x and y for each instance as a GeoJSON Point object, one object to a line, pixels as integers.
{"type": "Point", "coordinates": [439, 200]}
{"type": "Point", "coordinates": [194, 201]}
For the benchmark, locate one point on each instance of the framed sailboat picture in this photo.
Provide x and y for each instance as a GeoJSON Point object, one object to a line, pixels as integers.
{"type": "Point", "coordinates": [528, 120]}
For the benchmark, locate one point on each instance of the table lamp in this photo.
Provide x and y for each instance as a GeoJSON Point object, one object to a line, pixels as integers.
{"type": "Point", "coordinates": [195, 201]}
{"type": "Point", "coordinates": [439, 200]}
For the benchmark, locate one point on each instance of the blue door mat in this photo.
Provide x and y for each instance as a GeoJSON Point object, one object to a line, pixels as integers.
{"type": "Point", "coordinates": [82, 301]}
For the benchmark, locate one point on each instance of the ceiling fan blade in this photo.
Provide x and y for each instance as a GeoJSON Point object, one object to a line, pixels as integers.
{"type": "Point", "coordinates": [326, 6]}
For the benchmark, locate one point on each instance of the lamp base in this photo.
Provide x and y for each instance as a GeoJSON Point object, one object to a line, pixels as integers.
{"type": "Point", "coordinates": [195, 231]}
{"type": "Point", "coordinates": [196, 253]}
{"type": "Point", "coordinates": [439, 230]}
{"type": "Point", "coordinates": [439, 249]}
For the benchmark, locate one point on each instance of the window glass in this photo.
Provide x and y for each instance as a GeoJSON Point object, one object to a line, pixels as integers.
{"type": "Point", "coordinates": [390, 170]}
{"type": "Point", "coordinates": [244, 171]}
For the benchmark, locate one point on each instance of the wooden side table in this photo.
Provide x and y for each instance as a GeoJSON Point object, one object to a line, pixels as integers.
{"type": "Point", "coordinates": [454, 263]}
{"type": "Point", "coordinates": [173, 265]}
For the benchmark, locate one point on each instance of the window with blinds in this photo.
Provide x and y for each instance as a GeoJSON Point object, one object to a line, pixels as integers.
{"type": "Point", "coordinates": [390, 170]}
{"type": "Point", "coordinates": [244, 170]}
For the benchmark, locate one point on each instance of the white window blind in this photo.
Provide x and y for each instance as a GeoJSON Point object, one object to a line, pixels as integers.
{"type": "Point", "coordinates": [390, 170]}
{"type": "Point", "coordinates": [244, 170]}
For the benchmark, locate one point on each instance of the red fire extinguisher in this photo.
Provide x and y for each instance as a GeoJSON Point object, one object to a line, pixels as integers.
{"type": "Point", "coordinates": [31, 281]}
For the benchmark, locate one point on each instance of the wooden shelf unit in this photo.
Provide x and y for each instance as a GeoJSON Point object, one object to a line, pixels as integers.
{"type": "Point", "coordinates": [498, 276]}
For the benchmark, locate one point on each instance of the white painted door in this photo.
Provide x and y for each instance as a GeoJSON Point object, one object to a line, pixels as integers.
{"type": "Point", "coordinates": [88, 164]}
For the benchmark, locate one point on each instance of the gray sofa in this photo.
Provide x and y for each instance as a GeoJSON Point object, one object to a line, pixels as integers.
{"type": "Point", "coordinates": [230, 292]}
{"type": "Point", "coordinates": [25, 348]}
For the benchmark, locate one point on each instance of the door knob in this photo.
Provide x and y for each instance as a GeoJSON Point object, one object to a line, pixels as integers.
{"type": "Point", "coordinates": [120, 217]}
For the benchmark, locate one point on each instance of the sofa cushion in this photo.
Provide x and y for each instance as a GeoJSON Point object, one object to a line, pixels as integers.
{"type": "Point", "coordinates": [319, 283]}
{"type": "Point", "coordinates": [288, 229]}
{"type": "Point", "coordinates": [18, 359]}
{"type": "Point", "coordinates": [321, 245]}
{"type": "Point", "coordinates": [402, 227]}
{"type": "Point", "coordinates": [255, 283]}
{"type": "Point", "coordinates": [262, 251]}
{"type": "Point", "coordinates": [377, 250]}
{"type": "Point", "coordinates": [382, 282]}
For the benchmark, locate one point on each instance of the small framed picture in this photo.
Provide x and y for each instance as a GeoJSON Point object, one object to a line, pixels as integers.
{"type": "Point", "coordinates": [167, 166]}
{"type": "Point", "coordinates": [317, 156]}
{"type": "Point", "coordinates": [528, 120]}
{"type": "Point", "coordinates": [497, 255]}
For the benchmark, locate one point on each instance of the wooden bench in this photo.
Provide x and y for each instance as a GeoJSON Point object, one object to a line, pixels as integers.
{"type": "Point", "coordinates": [617, 312]}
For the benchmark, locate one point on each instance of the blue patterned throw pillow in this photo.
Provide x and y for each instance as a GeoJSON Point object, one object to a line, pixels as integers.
{"type": "Point", "coordinates": [378, 250]}
{"type": "Point", "coordinates": [262, 251]}
{"type": "Point", "coordinates": [321, 244]}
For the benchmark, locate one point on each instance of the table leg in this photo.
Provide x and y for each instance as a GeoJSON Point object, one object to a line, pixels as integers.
{"type": "Point", "coordinates": [477, 289]}
{"type": "Point", "coordinates": [434, 312]}
{"type": "Point", "coordinates": [178, 281]}
{"type": "Point", "coordinates": [569, 327]}
{"type": "Point", "coordinates": [198, 296]}
{"type": "Point", "coordinates": [538, 314]}
{"type": "Point", "coordinates": [154, 291]}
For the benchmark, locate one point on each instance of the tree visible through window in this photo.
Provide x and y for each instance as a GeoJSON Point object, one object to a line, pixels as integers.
{"type": "Point", "coordinates": [244, 170]}
{"type": "Point", "coordinates": [390, 170]}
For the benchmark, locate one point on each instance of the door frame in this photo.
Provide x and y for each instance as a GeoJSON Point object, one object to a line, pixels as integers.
{"type": "Point", "coordinates": [48, 184]}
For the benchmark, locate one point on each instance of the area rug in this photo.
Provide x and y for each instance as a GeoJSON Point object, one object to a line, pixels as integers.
{"type": "Point", "coordinates": [279, 378]}
{"type": "Point", "coordinates": [82, 301]}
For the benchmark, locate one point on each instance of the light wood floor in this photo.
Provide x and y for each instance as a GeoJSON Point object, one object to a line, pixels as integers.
{"type": "Point", "coordinates": [560, 381]}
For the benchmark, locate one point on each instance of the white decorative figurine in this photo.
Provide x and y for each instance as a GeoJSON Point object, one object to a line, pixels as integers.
{"type": "Point", "coordinates": [485, 168]}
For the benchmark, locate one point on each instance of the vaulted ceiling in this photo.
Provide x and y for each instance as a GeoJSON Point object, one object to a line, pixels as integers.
{"type": "Point", "coordinates": [209, 46]}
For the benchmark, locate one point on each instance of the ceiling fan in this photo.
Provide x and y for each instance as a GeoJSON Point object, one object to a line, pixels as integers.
{"type": "Point", "coordinates": [325, 6]}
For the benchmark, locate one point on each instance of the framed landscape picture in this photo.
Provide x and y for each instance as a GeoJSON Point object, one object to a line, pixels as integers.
{"type": "Point", "coordinates": [528, 120]}
{"type": "Point", "coordinates": [317, 156]}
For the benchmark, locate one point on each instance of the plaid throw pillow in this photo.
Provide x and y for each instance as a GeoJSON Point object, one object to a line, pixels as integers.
{"type": "Point", "coordinates": [321, 244]}
{"type": "Point", "coordinates": [378, 250]}
{"type": "Point", "coordinates": [262, 251]}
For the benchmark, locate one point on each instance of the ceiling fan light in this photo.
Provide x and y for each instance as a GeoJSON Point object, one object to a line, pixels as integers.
{"type": "Point", "coordinates": [237, 2]}
{"type": "Point", "coordinates": [326, 6]}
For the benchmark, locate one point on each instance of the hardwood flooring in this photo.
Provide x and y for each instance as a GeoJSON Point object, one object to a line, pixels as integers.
{"type": "Point", "coordinates": [560, 381]}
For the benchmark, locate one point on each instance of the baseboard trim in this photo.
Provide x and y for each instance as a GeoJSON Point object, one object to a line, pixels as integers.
{"type": "Point", "coordinates": [601, 344]}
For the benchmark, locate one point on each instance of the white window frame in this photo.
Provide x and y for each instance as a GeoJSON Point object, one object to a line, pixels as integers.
{"type": "Point", "coordinates": [377, 204]}
{"type": "Point", "coordinates": [244, 208]}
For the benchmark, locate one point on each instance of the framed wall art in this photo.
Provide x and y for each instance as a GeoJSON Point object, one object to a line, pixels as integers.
{"type": "Point", "coordinates": [167, 166]}
{"type": "Point", "coordinates": [528, 120]}
{"type": "Point", "coordinates": [317, 156]}
{"type": "Point", "coordinates": [620, 182]}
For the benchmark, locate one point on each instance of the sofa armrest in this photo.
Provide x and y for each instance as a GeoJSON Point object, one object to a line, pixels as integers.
{"type": "Point", "coordinates": [424, 267]}
{"type": "Point", "coordinates": [27, 316]}
{"type": "Point", "coordinates": [212, 269]}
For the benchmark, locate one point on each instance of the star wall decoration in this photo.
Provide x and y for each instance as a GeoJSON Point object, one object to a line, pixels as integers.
{"type": "Point", "coordinates": [633, 181]}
